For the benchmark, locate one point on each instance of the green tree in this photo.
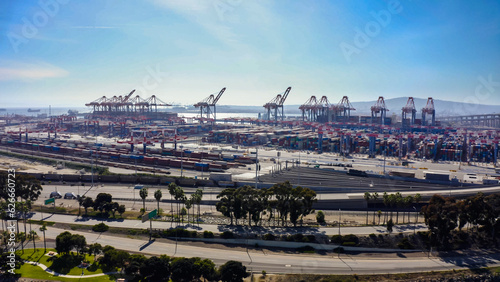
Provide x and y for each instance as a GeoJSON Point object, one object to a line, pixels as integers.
{"type": "Point", "coordinates": [64, 242]}
{"type": "Point", "coordinates": [408, 202]}
{"type": "Point", "coordinates": [390, 225]}
{"type": "Point", "coordinates": [182, 270]}
{"type": "Point", "coordinates": [399, 203]}
{"type": "Point", "coordinates": [387, 201]}
{"type": "Point", "coordinates": [493, 218]}
{"type": "Point", "coordinates": [375, 198]}
{"type": "Point", "coordinates": [101, 200]}
{"type": "Point", "coordinates": [158, 196]}
{"type": "Point", "coordinates": [134, 264]}
{"type": "Point", "coordinates": [320, 217]}
{"type": "Point", "coordinates": [114, 208]}
{"type": "Point", "coordinates": [143, 193]}
{"type": "Point", "coordinates": [43, 228]}
{"type": "Point", "coordinates": [226, 204]}
{"type": "Point", "coordinates": [33, 237]}
{"type": "Point", "coordinates": [232, 271]}
{"type": "Point", "coordinates": [121, 210]}
{"type": "Point", "coordinates": [179, 197]}
{"type": "Point", "coordinates": [94, 249]}
{"type": "Point", "coordinates": [172, 187]}
{"type": "Point", "coordinates": [157, 268]}
{"type": "Point", "coordinates": [367, 197]}
{"type": "Point", "coordinates": [188, 203]}
{"type": "Point", "coordinates": [206, 269]}
{"type": "Point", "coordinates": [78, 242]}
{"type": "Point", "coordinates": [441, 217]}
{"type": "Point", "coordinates": [417, 199]}
{"type": "Point", "coordinates": [197, 200]}
{"type": "Point", "coordinates": [22, 238]}
{"type": "Point", "coordinates": [87, 202]}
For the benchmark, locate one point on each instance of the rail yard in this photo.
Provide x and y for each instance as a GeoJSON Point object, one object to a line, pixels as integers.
{"type": "Point", "coordinates": [327, 147]}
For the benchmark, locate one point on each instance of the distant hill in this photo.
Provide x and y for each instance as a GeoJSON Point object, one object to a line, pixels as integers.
{"type": "Point", "coordinates": [443, 108]}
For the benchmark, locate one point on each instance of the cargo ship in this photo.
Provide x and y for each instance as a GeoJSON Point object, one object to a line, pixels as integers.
{"type": "Point", "coordinates": [30, 110]}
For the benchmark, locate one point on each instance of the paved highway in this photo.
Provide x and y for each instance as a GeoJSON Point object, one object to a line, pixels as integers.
{"type": "Point", "coordinates": [258, 260]}
{"type": "Point", "coordinates": [128, 223]}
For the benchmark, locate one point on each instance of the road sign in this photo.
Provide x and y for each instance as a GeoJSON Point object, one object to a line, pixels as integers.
{"type": "Point", "coordinates": [150, 215]}
{"type": "Point", "coordinates": [51, 200]}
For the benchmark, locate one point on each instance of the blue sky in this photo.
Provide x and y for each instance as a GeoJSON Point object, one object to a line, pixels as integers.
{"type": "Point", "coordinates": [72, 52]}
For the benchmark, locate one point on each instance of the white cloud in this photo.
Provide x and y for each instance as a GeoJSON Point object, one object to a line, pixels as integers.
{"type": "Point", "coordinates": [30, 71]}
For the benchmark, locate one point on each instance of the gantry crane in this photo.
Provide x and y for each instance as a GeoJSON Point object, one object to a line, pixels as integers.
{"type": "Point", "coordinates": [309, 109]}
{"type": "Point", "coordinates": [274, 107]}
{"type": "Point", "coordinates": [208, 105]}
{"type": "Point", "coordinates": [342, 110]}
{"type": "Point", "coordinates": [429, 109]}
{"type": "Point", "coordinates": [324, 110]}
{"type": "Point", "coordinates": [379, 107]}
{"type": "Point", "coordinates": [409, 109]}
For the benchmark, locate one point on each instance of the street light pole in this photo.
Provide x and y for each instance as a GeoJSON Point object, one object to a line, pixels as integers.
{"type": "Point", "coordinates": [182, 156]}
{"type": "Point", "coordinates": [256, 167]}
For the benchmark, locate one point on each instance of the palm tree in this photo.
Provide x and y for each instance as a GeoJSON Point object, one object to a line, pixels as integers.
{"type": "Point", "coordinates": [179, 197]}
{"type": "Point", "coordinates": [33, 236]}
{"type": "Point", "coordinates": [379, 213]}
{"type": "Point", "coordinates": [22, 238]}
{"type": "Point", "coordinates": [158, 195]}
{"type": "Point", "coordinates": [198, 198]}
{"type": "Point", "coordinates": [171, 190]}
{"type": "Point", "coordinates": [408, 203]}
{"type": "Point", "coordinates": [417, 200]}
{"type": "Point", "coordinates": [143, 193]}
{"type": "Point", "coordinates": [43, 228]}
{"type": "Point", "coordinates": [374, 198]}
{"type": "Point", "coordinates": [386, 204]}
{"type": "Point", "coordinates": [398, 202]}
{"type": "Point", "coordinates": [367, 197]}
{"type": "Point", "coordinates": [188, 203]}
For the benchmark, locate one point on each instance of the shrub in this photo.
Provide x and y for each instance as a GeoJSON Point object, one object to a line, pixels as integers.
{"type": "Point", "coordinates": [269, 237]}
{"type": "Point", "coordinates": [227, 235]}
{"type": "Point", "coordinates": [339, 250]}
{"type": "Point", "coordinates": [349, 244]}
{"type": "Point", "coordinates": [405, 244]}
{"type": "Point", "coordinates": [306, 249]}
{"type": "Point", "coordinates": [372, 236]}
{"type": "Point", "coordinates": [320, 217]}
{"type": "Point", "coordinates": [309, 239]}
{"type": "Point", "coordinates": [178, 232]}
{"type": "Point", "coordinates": [298, 237]}
{"type": "Point", "coordinates": [350, 238]}
{"type": "Point", "coordinates": [101, 227]}
{"type": "Point", "coordinates": [337, 239]}
{"type": "Point", "coordinates": [208, 234]}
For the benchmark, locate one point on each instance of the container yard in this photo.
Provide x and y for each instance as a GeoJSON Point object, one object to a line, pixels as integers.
{"type": "Point", "coordinates": [130, 134]}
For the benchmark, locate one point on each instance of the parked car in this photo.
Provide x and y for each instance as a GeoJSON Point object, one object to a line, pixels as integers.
{"type": "Point", "coordinates": [70, 195]}
{"type": "Point", "coordinates": [55, 195]}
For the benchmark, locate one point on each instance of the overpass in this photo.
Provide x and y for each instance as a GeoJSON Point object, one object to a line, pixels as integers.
{"type": "Point", "coordinates": [488, 120]}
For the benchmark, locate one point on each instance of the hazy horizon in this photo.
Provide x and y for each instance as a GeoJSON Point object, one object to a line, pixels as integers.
{"type": "Point", "coordinates": [71, 53]}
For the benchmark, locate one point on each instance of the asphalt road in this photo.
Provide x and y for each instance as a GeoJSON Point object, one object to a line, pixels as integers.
{"type": "Point", "coordinates": [258, 260]}
{"type": "Point", "coordinates": [128, 223]}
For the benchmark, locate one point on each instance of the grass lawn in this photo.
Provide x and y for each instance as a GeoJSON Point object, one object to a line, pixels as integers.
{"type": "Point", "coordinates": [66, 264]}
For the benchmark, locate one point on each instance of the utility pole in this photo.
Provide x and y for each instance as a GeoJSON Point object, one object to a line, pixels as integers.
{"type": "Point", "coordinates": [256, 167]}
{"type": "Point", "coordinates": [182, 156]}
